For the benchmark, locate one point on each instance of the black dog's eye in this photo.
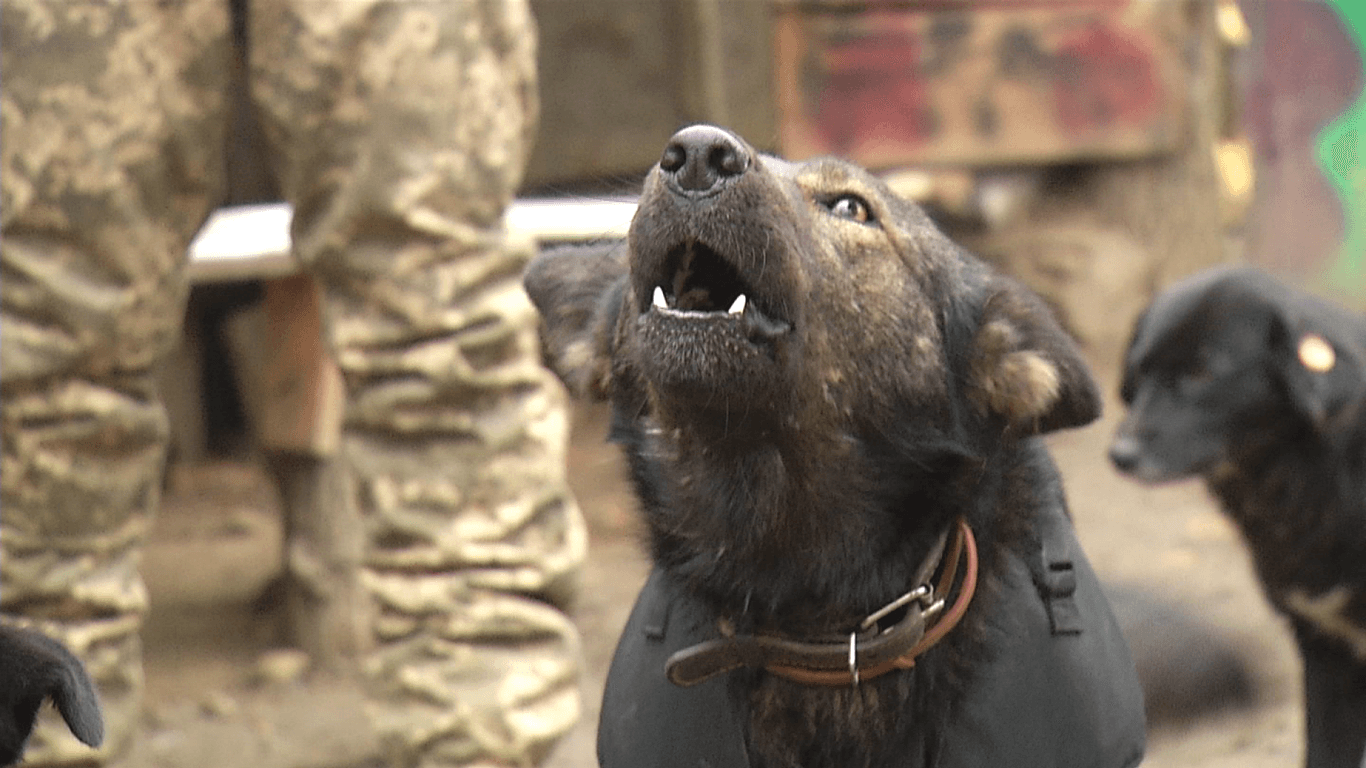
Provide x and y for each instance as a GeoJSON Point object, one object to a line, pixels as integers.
{"type": "Point", "coordinates": [851, 207]}
{"type": "Point", "coordinates": [1197, 376]}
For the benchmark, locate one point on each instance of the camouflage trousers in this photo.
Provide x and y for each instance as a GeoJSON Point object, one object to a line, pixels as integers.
{"type": "Point", "coordinates": [398, 130]}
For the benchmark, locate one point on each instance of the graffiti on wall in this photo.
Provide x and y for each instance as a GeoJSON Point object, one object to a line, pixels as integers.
{"type": "Point", "coordinates": [1338, 151]}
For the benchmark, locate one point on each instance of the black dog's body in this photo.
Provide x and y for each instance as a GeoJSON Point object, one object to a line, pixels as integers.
{"type": "Point", "coordinates": [797, 458]}
{"type": "Point", "coordinates": [1261, 390]}
{"type": "Point", "coordinates": [34, 669]}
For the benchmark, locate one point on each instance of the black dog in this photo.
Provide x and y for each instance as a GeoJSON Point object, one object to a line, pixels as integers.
{"type": "Point", "coordinates": [830, 412]}
{"type": "Point", "coordinates": [1261, 391]}
{"type": "Point", "coordinates": [33, 669]}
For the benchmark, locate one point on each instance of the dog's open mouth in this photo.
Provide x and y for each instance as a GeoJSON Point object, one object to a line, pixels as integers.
{"type": "Point", "coordinates": [699, 284]}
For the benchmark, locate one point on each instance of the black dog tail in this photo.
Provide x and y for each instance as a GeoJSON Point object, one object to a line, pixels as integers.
{"type": "Point", "coordinates": [74, 695]}
{"type": "Point", "coordinates": [33, 669]}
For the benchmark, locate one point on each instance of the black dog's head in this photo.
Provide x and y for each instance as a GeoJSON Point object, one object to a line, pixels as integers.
{"type": "Point", "coordinates": [1225, 361]}
{"type": "Point", "coordinates": [33, 669]}
{"type": "Point", "coordinates": [756, 298]}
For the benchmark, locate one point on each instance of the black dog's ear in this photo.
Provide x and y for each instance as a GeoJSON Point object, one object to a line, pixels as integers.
{"type": "Point", "coordinates": [1133, 353]}
{"type": "Point", "coordinates": [33, 669]}
{"type": "Point", "coordinates": [1025, 368]}
{"type": "Point", "coordinates": [1322, 374]}
{"type": "Point", "coordinates": [579, 291]}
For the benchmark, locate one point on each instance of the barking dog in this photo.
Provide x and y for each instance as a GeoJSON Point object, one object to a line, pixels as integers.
{"type": "Point", "coordinates": [830, 411]}
{"type": "Point", "coordinates": [33, 669]}
{"type": "Point", "coordinates": [1261, 391]}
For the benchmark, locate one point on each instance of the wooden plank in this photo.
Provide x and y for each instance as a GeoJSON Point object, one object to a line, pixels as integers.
{"type": "Point", "coordinates": [559, 220]}
{"type": "Point", "coordinates": [304, 398]}
{"type": "Point", "coordinates": [244, 242]}
{"type": "Point", "coordinates": [251, 242]}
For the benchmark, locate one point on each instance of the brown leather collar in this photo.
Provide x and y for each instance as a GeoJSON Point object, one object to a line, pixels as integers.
{"type": "Point", "coordinates": [869, 651]}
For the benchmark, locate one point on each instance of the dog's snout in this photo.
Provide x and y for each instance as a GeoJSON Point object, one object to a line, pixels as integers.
{"type": "Point", "coordinates": [1125, 453]}
{"type": "Point", "coordinates": [700, 158]}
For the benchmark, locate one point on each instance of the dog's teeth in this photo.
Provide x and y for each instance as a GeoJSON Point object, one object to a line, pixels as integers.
{"type": "Point", "coordinates": [739, 305]}
{"type": "Point", "coordinates": [659, 298]}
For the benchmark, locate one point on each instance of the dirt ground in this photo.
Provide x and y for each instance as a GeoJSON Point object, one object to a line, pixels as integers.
{"type": "Point", "coordinates": [218, 696]}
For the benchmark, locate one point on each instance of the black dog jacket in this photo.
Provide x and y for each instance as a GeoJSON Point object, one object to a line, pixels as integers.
{"type": "Point", "coordinates": [1060, 690]}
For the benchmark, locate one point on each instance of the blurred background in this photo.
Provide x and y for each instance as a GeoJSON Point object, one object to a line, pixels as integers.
{"type": "Point", "coordinates": [1096, 149]}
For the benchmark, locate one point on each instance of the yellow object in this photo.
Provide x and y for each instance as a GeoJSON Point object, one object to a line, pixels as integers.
{"type": "Point", "coordinates": [1237, 178]}
{"type": "Point", "coordinates": [1316, 353]}
{"type": "Point", "coordinates": [1233, 29]}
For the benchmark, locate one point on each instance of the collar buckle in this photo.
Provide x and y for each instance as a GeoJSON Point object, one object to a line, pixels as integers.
{"type": "Point", "coordinates": [923, 594]}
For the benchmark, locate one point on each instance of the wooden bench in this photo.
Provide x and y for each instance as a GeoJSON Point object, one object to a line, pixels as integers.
{"type": "Point", "coordinates": [300, 399]}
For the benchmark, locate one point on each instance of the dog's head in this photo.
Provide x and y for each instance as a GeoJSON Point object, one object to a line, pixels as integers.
{"type": "Point", "coordinates": [1225, 359]}
{"type": "Point", "coordinates": [762, 296]}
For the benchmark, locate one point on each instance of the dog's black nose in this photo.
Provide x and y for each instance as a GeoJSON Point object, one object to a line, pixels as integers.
{"type": "Point", "coordinates": [1125, 453]}
{"type": "Point", "coordinates": [699, 158]}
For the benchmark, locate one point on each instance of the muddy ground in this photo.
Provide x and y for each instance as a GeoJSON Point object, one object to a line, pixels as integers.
{"type": "Point", "coordinates": [1188, 603]}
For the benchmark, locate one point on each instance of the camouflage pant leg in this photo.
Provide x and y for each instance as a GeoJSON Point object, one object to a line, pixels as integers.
{"type": "Point", "coordinates": [108, 156]}
{"type": "Point", "coordinates": [403, 128]}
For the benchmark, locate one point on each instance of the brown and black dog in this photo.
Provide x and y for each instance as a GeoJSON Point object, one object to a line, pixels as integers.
{"type": "Point", "coordinates": [830, 413]}
{"type": "Point", "coordinates": [1260, 390]}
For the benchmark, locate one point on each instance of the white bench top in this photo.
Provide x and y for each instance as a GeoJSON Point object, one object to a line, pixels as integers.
{"type": "Point", "coordinates": [250, 242]}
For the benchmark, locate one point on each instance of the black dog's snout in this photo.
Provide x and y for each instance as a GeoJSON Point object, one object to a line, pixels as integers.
{"type": "Point", "coordinates": [700, 158]}
{"type": "Point", "coordinates": [1125, 452]}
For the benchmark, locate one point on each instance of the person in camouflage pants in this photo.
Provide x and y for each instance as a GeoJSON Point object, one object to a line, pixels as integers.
{"type": "Point", "coordinates": [399, 130]}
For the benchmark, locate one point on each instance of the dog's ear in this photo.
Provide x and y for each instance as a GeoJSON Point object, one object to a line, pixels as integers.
{"type": "Point", "coordinates": [1322, 372]}
{"type": "Point", "coordinates": [33, 669]}
{"type": "Point", "coordinates": [1025, 368]}
{"type": "Point", "coordinates": [1133, 353]}
{"type": "Point", "coordinates": [579, 291]}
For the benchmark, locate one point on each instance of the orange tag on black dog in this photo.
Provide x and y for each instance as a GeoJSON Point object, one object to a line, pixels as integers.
{"type": "Point", "coordinates": [1316, 353]}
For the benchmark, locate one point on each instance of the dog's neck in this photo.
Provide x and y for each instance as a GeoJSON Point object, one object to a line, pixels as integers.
{"type": "Point", "coordinates": [1267, 470]}
{"type": "Point", "coordinates": [774, 528]}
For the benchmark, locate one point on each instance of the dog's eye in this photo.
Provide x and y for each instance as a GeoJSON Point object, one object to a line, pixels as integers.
{"type": "Point", "coordinates": [851, 207]}
{"type": "Point", "coordinates": [1197, 376]}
